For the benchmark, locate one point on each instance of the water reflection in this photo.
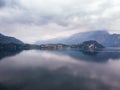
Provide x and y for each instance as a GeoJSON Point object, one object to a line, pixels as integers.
{"type": "Point", "coordinates": [60, 70]}
{"type": "Point", "coordinates": [4, 54]}
{"type": "Point", "coordinates": [100, 56]}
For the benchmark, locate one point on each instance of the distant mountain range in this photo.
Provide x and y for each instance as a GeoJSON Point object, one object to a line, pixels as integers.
{"type": "Point", "coordinates": [6, 40]}
{"type": "Point", "coordinates": [103, 37]}
{"type": "Point", "coordinates": [12, 44]}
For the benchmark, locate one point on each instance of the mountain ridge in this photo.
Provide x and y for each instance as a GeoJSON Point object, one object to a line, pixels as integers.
{"type": "Point", "coordinates": [8, 39]}
{"type": "Point", "coordinates": [102, 36]}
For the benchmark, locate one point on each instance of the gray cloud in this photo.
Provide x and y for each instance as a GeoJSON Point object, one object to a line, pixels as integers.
{"type": "Point", "coordinates": [48, 18]}
{"type": "Point", "coordinates": [2, 3]}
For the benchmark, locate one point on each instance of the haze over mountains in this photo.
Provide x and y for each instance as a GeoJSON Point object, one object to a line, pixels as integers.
{"type": "Point", "coordinates": [12, 44]}
{"type": "Point", "coordinates": [103, 37]}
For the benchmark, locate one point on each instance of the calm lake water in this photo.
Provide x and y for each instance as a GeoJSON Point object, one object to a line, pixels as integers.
{"type": "Point", "coordinates": [60, 70]}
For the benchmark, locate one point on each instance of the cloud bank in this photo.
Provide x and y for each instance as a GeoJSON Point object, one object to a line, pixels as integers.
{"type": "Point", "coordinates": [32, 20]}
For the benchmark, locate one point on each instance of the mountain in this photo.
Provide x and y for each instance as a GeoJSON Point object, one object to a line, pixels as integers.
{"type": "Point", "coordinates": [102, 37]}
{"type": "Point", "coordinates": [10, 43]}
{"type": "Point", "coordinates": [91, 45]}
{"type": "Point", "coordinates": [6, 39]}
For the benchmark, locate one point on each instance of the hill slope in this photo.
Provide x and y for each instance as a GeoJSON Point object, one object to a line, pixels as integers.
{"type": "Point", "coordinates": [6, 39]}
{"type": "Point", "coordinates": [103, 37]}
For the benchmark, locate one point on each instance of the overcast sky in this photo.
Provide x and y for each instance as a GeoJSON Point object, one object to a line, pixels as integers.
{"type": "Point", "coordinates": [32, 20]}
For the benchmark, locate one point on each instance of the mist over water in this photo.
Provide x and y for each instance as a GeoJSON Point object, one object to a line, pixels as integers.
{"type": "Point", "coordinates": [60, 70]}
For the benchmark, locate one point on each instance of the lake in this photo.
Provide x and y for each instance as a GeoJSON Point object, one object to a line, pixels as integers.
{"type": "Point", "coordinates": [60, 70]}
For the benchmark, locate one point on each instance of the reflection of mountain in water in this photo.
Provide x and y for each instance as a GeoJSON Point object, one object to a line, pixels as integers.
{"type": "Point", "coordinates": [55, 70]}
{"type": "Point", "coordinates": [100, 56]}
{"type": "Point", "coordinates": [4, 54]}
